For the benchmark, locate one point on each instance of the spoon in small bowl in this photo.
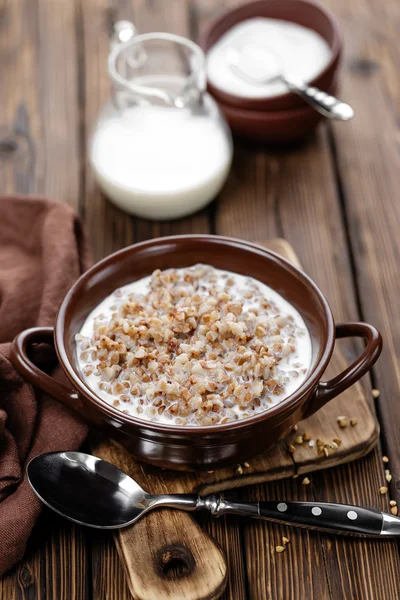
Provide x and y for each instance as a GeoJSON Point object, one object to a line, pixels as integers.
{"type": "Point", "coordinates": [324, 103]}
{"type": "Point", "coordinates": [90, 491]}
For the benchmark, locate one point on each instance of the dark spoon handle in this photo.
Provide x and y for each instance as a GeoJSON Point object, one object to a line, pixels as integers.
{"type": "Point", "coordinates": [338, 518]}
{"type": "Point", "coordinates": [321, 516]}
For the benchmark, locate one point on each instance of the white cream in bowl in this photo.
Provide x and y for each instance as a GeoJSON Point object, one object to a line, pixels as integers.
{"type": "Point", "coordinates": [266, 46]}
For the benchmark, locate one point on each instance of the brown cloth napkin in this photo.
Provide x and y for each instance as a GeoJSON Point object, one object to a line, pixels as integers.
{"type": "Point", "coordinates": [42, 252]}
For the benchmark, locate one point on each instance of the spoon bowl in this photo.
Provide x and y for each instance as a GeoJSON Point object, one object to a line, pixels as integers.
{"type": "Point", "coordinates": [254, 65]}
{"type": "Point", "coordinates": [87, 490]}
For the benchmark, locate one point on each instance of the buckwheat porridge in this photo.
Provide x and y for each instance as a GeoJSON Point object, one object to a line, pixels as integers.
{"type": "Point", "coordinates": [194, 346]}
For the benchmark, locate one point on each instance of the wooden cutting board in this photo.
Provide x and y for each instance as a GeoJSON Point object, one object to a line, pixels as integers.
{"type": "Point", "coordinates": [163, 538]}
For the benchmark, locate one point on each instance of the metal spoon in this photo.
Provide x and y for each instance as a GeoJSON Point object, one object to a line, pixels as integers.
{"type": "Point", "coordinates": [324, 103]}
{"type": "Point", "coordinates": [93, 492]}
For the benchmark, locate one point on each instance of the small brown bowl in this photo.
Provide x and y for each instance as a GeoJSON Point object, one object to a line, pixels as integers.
{"type": "Point", "coordinates": [275, 127]}
{"type": "Point", "coordinates": [183, 447]}
{"type": "Point", "coordinates": [303, 12]}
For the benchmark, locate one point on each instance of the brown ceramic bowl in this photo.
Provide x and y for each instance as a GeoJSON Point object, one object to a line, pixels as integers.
{"type": "Point", "coordinates": [275, 127]}
{"type": "Point", "coordinates": [182, 447]}
{"type": "Point", "coordinates": [303, 12]}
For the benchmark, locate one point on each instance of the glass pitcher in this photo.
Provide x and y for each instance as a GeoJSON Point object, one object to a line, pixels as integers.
{"type": "Point", "coordinates": [161, 148]}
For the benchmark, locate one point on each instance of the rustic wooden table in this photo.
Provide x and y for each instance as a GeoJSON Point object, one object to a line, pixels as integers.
{"type": "Point", "coordinates": [335, 199]}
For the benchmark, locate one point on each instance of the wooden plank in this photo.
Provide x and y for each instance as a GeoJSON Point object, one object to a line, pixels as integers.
{"type": "Point", "coordinates": [296, 573]}
{"type": "Point", "coordinates": [108, 577]}
{"type": "Point", "coordinates": [368, 160]}
{"type": "Point", "coordinates": [301, 202]}
{"type": "Point", "coordinates": [55, 564]}
{"type": "Point", "coordinates": [177, 559]}
{"type": "Point", "coordinates": [295, 194]}
{"type": "Point", "coordinates": [366, 569]}
{"type": "Point", "coordinates": [109, 228]}
{"type": "Point", "coordinates": [227, 532]}
{"type": "Point", "coordinates": [39, 125]}
{"type": "Point", "coordinates": [39, 136]}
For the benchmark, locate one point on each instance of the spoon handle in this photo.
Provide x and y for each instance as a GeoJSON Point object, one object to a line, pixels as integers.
{"type": "Point", "coordinates": [321, 516]}
{"type": "Point", "coordinates": [327, 105]}
{"type": "Point", "coordinates": [331, 517]}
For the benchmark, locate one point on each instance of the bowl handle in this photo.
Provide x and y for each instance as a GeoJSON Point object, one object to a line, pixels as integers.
{"type": "Point", "coordinates": [326, 390]}
{"type": "Point", "coordinates": [38, 378]}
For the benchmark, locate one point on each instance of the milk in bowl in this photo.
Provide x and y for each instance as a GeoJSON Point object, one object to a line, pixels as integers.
{"type": "Point", "coordinates": [194, 346]}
